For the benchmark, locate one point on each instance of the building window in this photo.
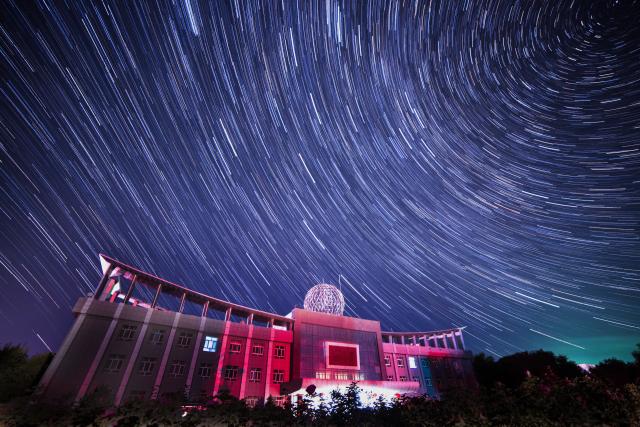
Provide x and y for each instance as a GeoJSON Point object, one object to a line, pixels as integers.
{"type": "Point", "coordinates": [251, 401]}
{"type": "Point", "coordinates": [235, 347]}
{"type": "Point", "coordinates": [184, 339]}
{"type": "Point", "coordinates": [424, 362]}
{"type": "Point", "coordinates": [342, 376]}
{"type": "Point", "coordinates": [389, 377]}
{"type": "Point", "coordinates": [157, 337]}
{"type": "Point", "coordinates": [412, 362]}
{"type": "Point", "coordinates": [358, 376]}
{"type": "Point", "coordinates": [415, 379]}
{"type": "Point", "coordinates": [400, 362]}
{"type": "Point", "coordinates": [278, 376]}
{"type": "Point", "coordinates": [205, 370]}
{"type": "Point", "coordinates": [114, 363]}
{"type": "Point", "coordinates": [427, 382]}
{"type": "Point", "coordinates": [255, 375]}
{"type": "Point", "coordinates": [257, 350]}
{"type": "Point", "coordinates": [177, 368]}
{"type": "Point", "coordinates": [279, 352]}
{"type": "Point", "coordinates": [403, 378]}
{"type": "Point", "coordinates": [387, 360]}
{"type": "Point", "coordinates": [321, 375]}
{"type": "Point", "coordinates": [127, 332]}
{"type": "Point", "coordinates": [280, 400]}
{"type": "Point", "coordinates": [231, 373]}
{"type": "Point", "coordinates": [147, 364]}
{"type": "Point", "coordinates": [210, 344]}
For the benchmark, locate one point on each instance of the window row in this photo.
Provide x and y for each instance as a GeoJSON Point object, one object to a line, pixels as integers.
{"type": "Point", "coordinates": [400, 361]}
{"type": "Point", "coordinates": [231, 373]}
{"type": "Point", "coordinates": [177, 368]}
{"type": "Point", "coordinates": [184, 339]}
{"type": "Point", "coordinates": [355, 376]}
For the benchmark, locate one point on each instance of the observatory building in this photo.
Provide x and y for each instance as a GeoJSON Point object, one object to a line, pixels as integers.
{"type": "Point", "coordinates": [142, 337]}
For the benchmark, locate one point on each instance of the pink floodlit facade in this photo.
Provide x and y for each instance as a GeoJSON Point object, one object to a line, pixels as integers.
{"type": "Point", "coordinates": [142, 337]}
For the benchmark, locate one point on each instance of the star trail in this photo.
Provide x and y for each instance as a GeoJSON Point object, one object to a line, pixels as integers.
{"type": "Point", "coordinates": [445, 163]}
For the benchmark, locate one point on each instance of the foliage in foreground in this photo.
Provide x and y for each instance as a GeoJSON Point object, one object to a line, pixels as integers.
{"type": "Point", "coordinates": [525, 389]}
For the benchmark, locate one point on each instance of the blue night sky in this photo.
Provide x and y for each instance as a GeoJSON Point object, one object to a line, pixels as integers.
{"type": "Point", "coordinates": [446, 163]}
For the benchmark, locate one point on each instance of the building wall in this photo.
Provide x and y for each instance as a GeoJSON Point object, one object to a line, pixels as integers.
{"type": "Point", "coordinates": [164, 380]}
{"type": "Point", "coordinates": [437, 370]}
{"type": "Point", "coordinates": [174, 342]}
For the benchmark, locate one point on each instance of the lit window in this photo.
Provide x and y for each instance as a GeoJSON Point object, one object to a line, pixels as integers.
{"type": "Point", "coordinates": [127, 332]}
{"type": "Point", "coordinates": [257, 350]}
{"type": "Point", "coordinates": [235, 347]}
{"type": "Point", "coordinates": [210, 344]}
{"type": "Point", "coordinates": [147, 364]}
{"type": "Point", "coordinates": [255, 375]}
{"type": "Point", "coordinates": [412, 362]}
{"type": "Point", "coordinates": [231, 373]}
{"type": "Point", "coordinates": [358, 376]}
{"type": "Point", "coordinates": [184, 339]}
{"type": "Point", "coordinates": [342, 376]}
{"type": "Point", "coordinates": [387, 360]}
{"type": "Point", "coordinates": [157, 337]}
{"type": "Point", "coordinates": [321, 375]}
{"type": "Point", "coordinates": [251, 401]}
{"type": "Point", "coordinates": [280, 400]}
{"type": "Point", "coordinates": [114, 363]}
{"type": "Point", "coordinates": [205, 370]}
{"type": "Point", "coordinates": [278, 376]}
{"type": "Point", "coordinates": [403, 378]}
{"type": "Point", "coordinates": [177, 368]}
{"type": "Point", "coordinates": [400, 362]}
{"type": "Point", "coordinates": [279, 352]}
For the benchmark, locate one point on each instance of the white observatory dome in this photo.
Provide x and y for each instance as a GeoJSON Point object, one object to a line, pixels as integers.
{"type": "Point", "coordinates": [324, 298]}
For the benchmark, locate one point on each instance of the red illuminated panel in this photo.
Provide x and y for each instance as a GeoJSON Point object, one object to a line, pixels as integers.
{"type": "Point", "coordinates": [342, 355]}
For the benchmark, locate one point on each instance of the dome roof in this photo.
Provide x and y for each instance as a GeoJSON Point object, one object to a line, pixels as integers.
{"type": "Point", "coordinates": [324, 298]}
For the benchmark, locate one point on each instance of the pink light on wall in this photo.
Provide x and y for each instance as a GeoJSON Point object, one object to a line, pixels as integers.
{"type": "Point", "coordinates": [342, 355]}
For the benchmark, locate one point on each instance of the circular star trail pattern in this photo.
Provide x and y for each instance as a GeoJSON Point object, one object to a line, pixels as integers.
{"type": "Point", "coordinates": [453, 163]}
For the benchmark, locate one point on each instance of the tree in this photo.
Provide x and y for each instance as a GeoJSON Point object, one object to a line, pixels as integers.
{"type": "Point", "coordinates": [19, 373]}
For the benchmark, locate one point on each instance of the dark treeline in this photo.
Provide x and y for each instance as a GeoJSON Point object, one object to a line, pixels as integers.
{"type": "Point", "coordinates": [525, 389]}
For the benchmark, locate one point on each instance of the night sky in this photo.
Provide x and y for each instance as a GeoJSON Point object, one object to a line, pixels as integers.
{"type": "Point", "coordinates": [445, 163]}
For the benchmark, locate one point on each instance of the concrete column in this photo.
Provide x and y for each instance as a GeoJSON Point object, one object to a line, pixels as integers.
{"type": "Point", "coordinates": [182, 299]}
{"type": "Point", "coordinates": [205, 309]}
{"type": "Point", "coordinates": [453, 338]}
{"type": "Point", "coordinates": [223, 350]}
{"type": "Point", "coordinates": [462, 340]}
{"type": "Point", "coordinates": [245, 364]}
{"type": "Point", "coordinates": [99, 354]}
{"type": "Point", "coordinates": [64, 348]}
{"type": "Point", "coordinates": [103, 282]}
{"type": "Point", "coordinates": [132, 360]}
{"type": "Point", "coordinates": [194, 355]}
{"type": "Point", "coordinates": [165, 357]}
{"type": "Point", "coordinates": [227, 315]}
{"type": "Point", "coordinates": [131, 289]}
{"type": "Point", "coordinates": [267, 385]}
{"type": "Point", "coordinates": [156, 296]}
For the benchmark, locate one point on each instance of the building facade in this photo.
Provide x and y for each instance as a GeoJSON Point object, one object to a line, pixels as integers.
{"type": "Point", "coordinates": [142, 337]}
